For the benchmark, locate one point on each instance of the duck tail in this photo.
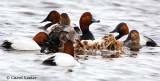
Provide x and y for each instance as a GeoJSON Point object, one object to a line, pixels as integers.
{"type": "Point", "coordinates": [6, 44]}
{"type": "Point", "coordinates": [150, 42]}
{"type": "Point", "coordinates": [50, 61]}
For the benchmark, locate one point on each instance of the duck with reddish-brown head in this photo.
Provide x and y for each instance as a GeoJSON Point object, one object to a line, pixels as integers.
{"type": "Point", "coordinates": [53, 17]}
{"type": "Point", "coordinates": [123, 31]}
{"type": "Point", "coordinates": [64, 59]}
{"type": "Point", "coordinates": [85, 21]}
{"type": "Point", "coordinates": [40, 42]}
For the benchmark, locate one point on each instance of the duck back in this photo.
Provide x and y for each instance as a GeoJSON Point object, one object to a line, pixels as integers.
{"type": "Point", "coordinates": [24, 44]}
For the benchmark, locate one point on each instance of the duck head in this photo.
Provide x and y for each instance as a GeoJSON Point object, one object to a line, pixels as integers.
{"type": "Point", "coordinates": [133, 40]}
{"type": "Point", "coordinates": [69, 48]}
{"type": "Point", "coordinates": [64, 19]}
{"type": "Point", "coordinates": [53, 17]}
{"type": "Point", "coordinates": [43, 40]}
{"type": "Point", "coordinates": [86, 20]}
{"type": "Point", "coordinates": [122, 29]}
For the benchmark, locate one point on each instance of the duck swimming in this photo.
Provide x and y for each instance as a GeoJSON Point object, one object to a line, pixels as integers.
{"type": "Point", "coordinates": [85, 21]}
{"type": "Point", "coordinates": [53, 17]}
{"type": "Point", "coordinates": [62, 32]}
{"type": "Point", "coordinates": [63, 59]}
{"type": "Point", "coordinates": [39, 42]}
{"type": "Point", "coordinates": [133, 40]}
{"type": "Point", "coordinates": [123, 31]}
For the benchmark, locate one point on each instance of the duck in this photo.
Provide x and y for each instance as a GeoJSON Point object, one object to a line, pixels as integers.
{"type": "Point", "coordinates": [65, 59]}
{"type": "Point", "coordinates": [62, 32]}
{"type": "Point", "coordinates": [53, 17]}
{"type": "Point", "coordinates": [133, 41]}
{"type": "Point", "coordinates": [85, 21]}
{"type": "Point", "coordinates": [39, 42]}
{"type": "Point", "coordinates": [123, 31]}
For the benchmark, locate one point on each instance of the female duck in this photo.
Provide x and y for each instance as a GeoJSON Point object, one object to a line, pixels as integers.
{"type": "Point", "coordinates": [63, 59]}
{"type": "Point", "coordinates": [63, 31]}
{"type": "Point", "coordinates": [123, 31]}
{"type": "Point", "coordinates": [85, 21]}
{"type": "Point", "coordinates": [39, 42]}
{"type": "Point", "coordinates": [133, 40]}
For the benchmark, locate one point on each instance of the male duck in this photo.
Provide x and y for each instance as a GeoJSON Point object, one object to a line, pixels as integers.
{"type": "Point", "coordinates": [53, 17]}
{"type": "Point", "coordinates": [63, 59]}
{"type": "Point", "coordinates": [85, 21]}
{"type": "Point", "coordinates": [39, 42]}
{"type": "Point", "coordinates": [123, 31]}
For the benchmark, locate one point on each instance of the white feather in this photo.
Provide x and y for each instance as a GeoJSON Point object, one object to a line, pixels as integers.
{"type": "Point", "coordinates": [24, 44]}
{"type": "Point", "coordinates": [49, 29]}
{"type": "Point", "coordinates": [143, 40]}
{"type": "Point", "coordinates": [123, 38]}
{"type": "Point", "coordinates": [63, 59]}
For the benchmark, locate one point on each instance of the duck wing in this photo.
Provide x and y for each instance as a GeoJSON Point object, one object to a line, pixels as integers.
{"type": "Point", "coordinates": [148, 41]}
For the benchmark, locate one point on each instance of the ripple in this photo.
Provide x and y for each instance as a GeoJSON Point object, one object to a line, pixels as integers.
{"type": "Point", "coordinates": [21, 18]}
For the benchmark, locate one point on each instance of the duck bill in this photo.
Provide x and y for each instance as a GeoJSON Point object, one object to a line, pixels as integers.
{"type": "Point", "coordinates": [115, 30]}
{"type": "Point", "coordinates": [44, 20]}
{"type": "Point", "coordinates": [95, 21]}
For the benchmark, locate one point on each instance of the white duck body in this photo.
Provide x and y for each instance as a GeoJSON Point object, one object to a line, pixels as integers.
{"type": "Point", "coordinates": [24, 44]}
{"type": "Point", "coordinates": [64, 59]}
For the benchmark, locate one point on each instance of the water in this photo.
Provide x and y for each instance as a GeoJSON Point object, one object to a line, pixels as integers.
{"type": "Point", "coordinates": [21, 18]}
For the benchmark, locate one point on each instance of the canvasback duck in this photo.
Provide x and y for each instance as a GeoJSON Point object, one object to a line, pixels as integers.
{"type": "Point", "coordinates": [133, 40]}
{"type": "Point", "coordinates": [85, 21]}
{"type": "Point", "coordinates": [63, 31]}
{"type": "Point", "coordinates": [53, 17]}
{"type": "Point", "coordinates": [63, 59]}
{"type": "Point", "coordinates": [39, 42]}
{"type": "Point", "coordinates": [123, 31]}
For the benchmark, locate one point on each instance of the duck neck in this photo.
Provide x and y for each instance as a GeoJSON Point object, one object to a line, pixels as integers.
{"type": "Point", "coordinates": [47, 25]}
{"type": "Point", "coordinates": [119, 36]}
{"type": "Point", "coordinates": [69, 48]}
{"type": "Point", "coordinates": [85, 31]}
{"type": "Point", "coordinates": [134, 45]}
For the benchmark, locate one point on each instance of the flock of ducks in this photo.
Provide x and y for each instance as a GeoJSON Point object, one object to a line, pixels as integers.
{"type": "Point", "coordinates": [62, 39]}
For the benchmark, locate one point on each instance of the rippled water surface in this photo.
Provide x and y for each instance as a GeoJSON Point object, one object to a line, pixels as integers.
{"type": "Point", "coordinates": [20, 18]}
